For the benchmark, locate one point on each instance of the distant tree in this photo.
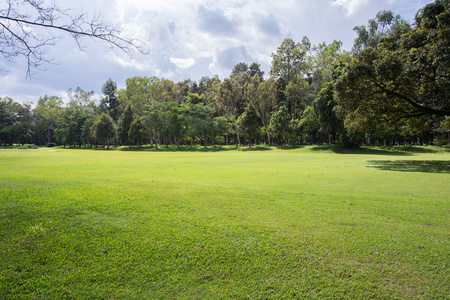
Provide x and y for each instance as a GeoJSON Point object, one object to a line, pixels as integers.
{"type": "Point", "coordinates": [194, 98]}
{"type": "Point", "coordinates": [180, 90]}
{"type": "Point", "coordinates": [111, 102]}
{"type": "Point", "coordinates": [255, 69]}
{"type": "Point", "coordinates": [197, 119]}
{"type": "Point", "coordinates": [385, 23]}
{"type": "Point", "coordinates": [15, 122]}
{"type": "Point", "coordinates": [241, 67]}
{"type": "Point", "coordinates": [265, 103]}
{"type": "Point", "coordinates": [47, 111]}
{"type": "Point", "coordinates": [162, 91]}
{"type": "Point", "coordinates": [324, 106]}
{"type": "Point", "coordinates": [125, 124]}
{"type": "Point", "coordinates": [138, 93]}
{"type": "Point", "coordinates": [233, 98]}
{"type": "Point", "coordinates": [153, 121]}
{"type": "Point", "coordinates": [288, 60]}
{"type": "Point", "coordinates": [136, 132]}
{"type": "Point", "coordinates": [6, 119]}
{"type": "Point", "coordinates": [248, 124]}
{"type": "Point", "coordinates": [220, 128]}
{"type": "Point", "coordinates": [309, 124]}
{"type": "Point", "coordinates": [280, 124]}
{"type": "Point", "coordinates": [104, 129]}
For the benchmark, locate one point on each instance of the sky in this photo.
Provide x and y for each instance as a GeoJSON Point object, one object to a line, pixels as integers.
{"type": "Point", "coordinates": [190, 39]}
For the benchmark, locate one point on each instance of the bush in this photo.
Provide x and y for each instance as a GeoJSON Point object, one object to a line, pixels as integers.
{"type": "Point", "coordinates": [28, 146]}
{"type": "Point", "coordinates": [50, 145]}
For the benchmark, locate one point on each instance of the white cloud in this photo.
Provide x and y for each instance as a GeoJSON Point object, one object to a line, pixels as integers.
{"type": "Point", "coordinates": [352, 6]}
{"type": "Point", "coordinates": [183, 63]}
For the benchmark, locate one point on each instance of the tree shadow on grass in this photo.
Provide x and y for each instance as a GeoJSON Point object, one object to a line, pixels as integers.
{"type": "Point", "coordinates": [340, 149]}
{"type": "Point", "coordinates": [423, 166]}
{"type": "Point", "coordinates": [381, 150]}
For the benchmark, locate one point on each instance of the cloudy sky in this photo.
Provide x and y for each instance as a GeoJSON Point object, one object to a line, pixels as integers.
{"type": "Point", "coordinates": [191, 39]}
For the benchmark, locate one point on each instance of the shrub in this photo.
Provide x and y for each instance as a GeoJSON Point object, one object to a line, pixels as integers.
{"type": "Point", "coordinates": [50, 145]}
{"type": "Point", "coordinates": [28, 146]}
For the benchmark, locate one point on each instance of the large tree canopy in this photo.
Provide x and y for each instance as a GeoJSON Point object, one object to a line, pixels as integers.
{"type": "Point", "coordinates": [406, 76]}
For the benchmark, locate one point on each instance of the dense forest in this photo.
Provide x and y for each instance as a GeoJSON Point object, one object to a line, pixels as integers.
{"type": "Point", "coordinates": [393, 87]}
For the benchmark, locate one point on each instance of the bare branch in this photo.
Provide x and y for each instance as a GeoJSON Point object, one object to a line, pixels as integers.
{"type": "Point", "coordinates": [29, 34]}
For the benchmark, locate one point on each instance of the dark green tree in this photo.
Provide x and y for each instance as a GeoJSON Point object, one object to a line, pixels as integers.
{"type": "Point", "coordinates": [324, 105]}
{"type": "Point", "coordinates": [255, 69]}
{"type": "Point", "coordinates": [241, 67]}
{"type": "Point", "coordinates": [288, 61]}
{"type": "Point", "coordinates": [110, 103]}
{"type": "Point", "coordinates": [104, 130]}
{"type": "Point", "coordinates": [136, 132]}
{"type": "Point", "coordinates": [125, 124]}
{"type": "Point", "coordinates": [385, 23]}
{"type": "Point", "coordinates": [309, 125]}
{"type": "Point", "coordinates": [405, 77]}
{"type": "Point", "coordinates": [280, 124]}
{"type": "Point", "coordinates": [248, 124]}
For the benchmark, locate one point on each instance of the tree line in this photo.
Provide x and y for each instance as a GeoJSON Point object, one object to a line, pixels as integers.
{"type": "Point", "coordinates": [391, 88]}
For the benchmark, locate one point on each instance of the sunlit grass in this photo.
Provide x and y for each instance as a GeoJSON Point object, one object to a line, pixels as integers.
{"type": "Point", "coordinates": [291, 223]}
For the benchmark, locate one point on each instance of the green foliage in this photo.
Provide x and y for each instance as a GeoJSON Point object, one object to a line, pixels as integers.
{"type": "Point", "coordinates": [384, 24]}
{"type": "Point", "coordinates": [110, 103]}
{"type": "Point", "coordinates": [125, 124]}
{"type": "Point", "coordinates": [248, 124]}
{"type": "Point", "coordinates": [104, 129]}
{"type": "Point", "coordinates": [280, 124]}
{"type": "Point", "coordinates": [27, 146]}
{"type": "Point", "coordinates": [309, 124]}
{"type": "Point", "coordinates": [288, 61]}
{"type": "Point", "coordinates": [136, 132]}
{"type": "Point", "coordinates": [403, 78]}
{"type": "Point", "coordinates": [324, 106]}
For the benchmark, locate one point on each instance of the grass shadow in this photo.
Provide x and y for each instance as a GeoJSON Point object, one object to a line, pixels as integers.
{"type": "Point", "coordinates": [381, 150]}
{"type": "Point", "coordinates": [423, 166]}
{"type": "Point", "coordinates": [340, 149]}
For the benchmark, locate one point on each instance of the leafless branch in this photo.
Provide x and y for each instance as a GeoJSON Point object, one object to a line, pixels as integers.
{"type": "Point", "coordinates": [28, 28]}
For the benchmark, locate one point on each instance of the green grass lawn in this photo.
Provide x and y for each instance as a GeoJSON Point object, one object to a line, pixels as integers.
{"type": "Point", "coordinates": [305, 223]}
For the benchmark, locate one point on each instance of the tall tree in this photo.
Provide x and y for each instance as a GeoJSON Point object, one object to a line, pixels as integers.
{"type": "Point", "coordinates": [15, 122]}
{"type": "Point", "coordinates": [104, 129]}
{"type": "Point", "coordinates": [324, 105]}
{"type": "Point", "coordinates": [136, 132]}
{"type": "Point", "coordinates": [288, 60]}
{"type": "Point", "coordinates": [280, 124]}
{"type": "Point", "coordinates": [233, 100]}
{"type": "Point", "coordinates": [110, 103]}
{"type": "Point", "coordinates": [125, 124]}
{"type": "Point", "coordinates": [47, 111]}
{"type": "Point", "coordinates": [138, 93]}
{"type": "Point", "coordinates": [405, 77]}
{"type": "Point", "coordinates": [255, 69]}
{"type": "Point", "coordinates": [248, 124]}
{"type": "Point", "coordinates": [385, 23]}
{"type": "Point", "coordinates": [241, 67]}
{"type": "Point", "coordinates": [265, 103]}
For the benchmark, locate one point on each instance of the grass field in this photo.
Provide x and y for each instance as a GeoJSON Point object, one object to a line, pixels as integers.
{"type": "Point", "coordinates": [306, 223]}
